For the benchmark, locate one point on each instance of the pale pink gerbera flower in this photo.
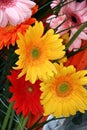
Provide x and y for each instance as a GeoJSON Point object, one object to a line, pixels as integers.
{"type": "Point", "coordinates": [15, 11]}
{"type": "Point", "coordinates": [75, 14]}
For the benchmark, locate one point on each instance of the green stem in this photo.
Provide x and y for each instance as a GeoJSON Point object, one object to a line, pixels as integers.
{"type": "Point", "coordinates": [45, 5]}
{"type": "Point", "coordinates": [75, 35]}
{"type": "Point", "coordinates": [11, 120]}
{"type": "Point", "coordinates": [22, 123]}
{"type": "Point", "coordinates": [7, 117]}
{"type": "Point", "coordinates": [75, 52]}
{"type": "Point", "coordinates": [39, 125]}
{"type": "Point", "coordinates": [19, 126]}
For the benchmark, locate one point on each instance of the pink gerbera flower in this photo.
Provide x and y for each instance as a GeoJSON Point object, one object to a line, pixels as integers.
{"type": "Point", "coordinates": [74, 14]}
{"type": "Point", "coordinates": [15, 11]}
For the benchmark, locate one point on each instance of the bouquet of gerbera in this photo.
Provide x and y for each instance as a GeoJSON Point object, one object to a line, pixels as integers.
{"type": "Point", "coordinates": [42, 64]}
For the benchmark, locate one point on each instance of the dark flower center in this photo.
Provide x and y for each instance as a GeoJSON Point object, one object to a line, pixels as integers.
{"type": "Point", "coordinates": [74, 19]}
{"type": "Point", "coordinates": [79, 0]}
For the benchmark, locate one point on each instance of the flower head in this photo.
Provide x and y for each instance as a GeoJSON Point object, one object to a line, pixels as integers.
{"type": "Point", "coordinates": [72, 14]}
{"type": "Point", "coordinates": [65, 92]}
{"type": "Point", "coordinates": [15, 11]}
{"type": "Point", "coordinates": [26, 96]}
{"type": "Point", "coordinates": [35, 51]}
{"type": "Point", "coordinates": [79, 59]}
{"type": "Point", "coordinates": [9, 34]}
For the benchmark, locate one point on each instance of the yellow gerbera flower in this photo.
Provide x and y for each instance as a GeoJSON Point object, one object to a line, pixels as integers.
{"type": "Point", "coordinates": [35, 51]}
{"type": "Point", "coordinates": [64, 94]}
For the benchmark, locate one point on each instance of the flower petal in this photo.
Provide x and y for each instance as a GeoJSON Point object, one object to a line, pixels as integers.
{"type": "Point", "coordinates": [31, 4]}
{"type": "Point", "coordinates": [13, 16]}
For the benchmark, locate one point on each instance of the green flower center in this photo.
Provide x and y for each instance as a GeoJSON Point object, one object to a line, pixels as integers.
{"type": "Point", "coordinates": [63, 87]}
{"type": "Point", "coordinates": [35, 53]}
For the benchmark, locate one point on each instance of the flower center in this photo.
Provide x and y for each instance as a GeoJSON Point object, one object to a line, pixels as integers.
{"type": "Point", "coordinates": [79, 0]}
{"type": "Point", "coordinates": [35, 53]}
{"type": "Point", "coordinates": [6, 3]}
{"type": "Point", "coordinates": [30, 89]}
{"type": "Point", "coordinates": [63, 89]}
{"type": "Point", "coordinates": [74, 19]}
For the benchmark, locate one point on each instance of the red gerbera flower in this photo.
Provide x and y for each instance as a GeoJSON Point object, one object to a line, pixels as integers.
{"type": "Point", "coordinates": [26, 96]}
{"type": "Point", "coordinates": [79, 60]}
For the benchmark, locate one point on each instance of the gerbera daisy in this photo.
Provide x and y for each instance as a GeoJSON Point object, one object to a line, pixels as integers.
{"type": "Point", "coordinates": [71, 14]}
{"type": "Point", "coordinates": [15, 11]}
{"type": "Point", "coordinates": [79, 60]}
{"type": "Point", "coordinates": [8, 34]}
{"type": "Point", "coordinates": [65, 92]}
{"type": "Point", "coordinates": [26, 96]}
{"type": "Point", "coordinates": [35, 51]}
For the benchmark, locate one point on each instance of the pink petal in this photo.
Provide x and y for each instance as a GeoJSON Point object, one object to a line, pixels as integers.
{"type": "Point", "coordinates": [83, 36]}
{"type": "Point", "coordinates": [54, 3]}
{"type": "Point", "coordinates": [75, 45]}
{"type": "Point", "coordinates": [72, 6]}
{"type": "Point", "coordinates": [83, 11]}
{"type": "Point", "coordinates": [24, 14]}
{"type": "Point", "coordinates": [4, 20]}
{"type": "Point", "coordinates": [29, 13]}
{"type": "Point", "coordinates": [21, 15]}
{"type": "Point", "coordinates": [50, 18]}
{"type": "Point", "coordinates": [29, 3]}
{"type": "Point", "coordinates": [13, 16]}
{"type": "Point", "coordinates": [1, 16]}
{"type": "Point", "coordinates": [81, 5]}
{"type": "Point", "coordinates": [84, 18]}
{"type": "Point", "coordinates": [24, 8]}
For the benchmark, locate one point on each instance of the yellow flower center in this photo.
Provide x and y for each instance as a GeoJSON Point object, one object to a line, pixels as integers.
{"type": "Point", "coordinates": [35, 53]}
{"type": "Point", "coordinates": [64, 89]}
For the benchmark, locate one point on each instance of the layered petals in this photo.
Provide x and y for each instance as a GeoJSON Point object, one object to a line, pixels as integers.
{"type": "Point", "coordinates": [66, 92]}
{"type": "Point", "coordinates": [26, 96]}
{"type": "Point", "coordinates": [36, 51]}
{"type": "Point", "coordinates": [9, 34]}
{"type": "Point", "coordinates": [15, 12]}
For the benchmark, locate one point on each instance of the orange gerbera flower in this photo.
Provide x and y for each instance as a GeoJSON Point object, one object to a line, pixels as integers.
{"type": "Point", "coordinates": [8, 35]}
